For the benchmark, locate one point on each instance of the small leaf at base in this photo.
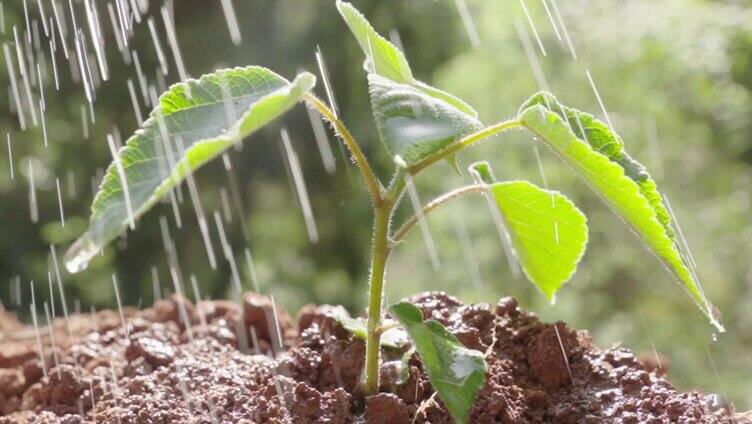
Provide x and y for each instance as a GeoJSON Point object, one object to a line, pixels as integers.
{"type": "Point", "coordinates": [456, 372]}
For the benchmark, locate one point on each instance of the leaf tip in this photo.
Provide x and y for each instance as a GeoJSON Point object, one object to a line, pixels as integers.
{"type": "Point", "coordinates": [304, 80]}
{"type": "Point", "coordinates": [543, 98]}
{"type": "Point", "coordinates": [452, 161]}
{"type": "Point", "coordinates": [482, 172]}
{"type": "Point", "coordinates": [406, 311]}
{"type": "Point", "coordinates": [80, 253]}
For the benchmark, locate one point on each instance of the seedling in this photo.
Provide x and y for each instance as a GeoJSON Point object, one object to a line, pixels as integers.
{"type": "Point", "coordinates": [197, 120]}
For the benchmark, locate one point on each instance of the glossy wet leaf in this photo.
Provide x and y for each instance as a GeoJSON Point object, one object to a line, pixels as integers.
{"type": "Point", "coordinates": [548, 233]}
{"type": "Point", "coordinates": [413, 124]}
{"type": "Point", "coordinates": [456, 372]}
{"type": "Point", "coordinates": [413, 118]}
{"type": "Point", "coordinates": [597, 154]}
{"type": "Point", "coordinates": [194, 122]}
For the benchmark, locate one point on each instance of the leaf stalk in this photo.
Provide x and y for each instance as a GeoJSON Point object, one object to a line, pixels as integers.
{"type": "Point", "coordinates": [430, 206]}
{"type": "Point", "coordinates": [372, 182]}
{"type": "Point", "coordinates": [464, 142]}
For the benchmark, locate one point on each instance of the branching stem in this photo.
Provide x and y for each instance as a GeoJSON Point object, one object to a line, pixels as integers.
{"type": "Point", "coordinates": [410, 223]}
{"type": "Point", "coordinates": [372, 182]}
{"type": "Point", "coordinates": [465, 142]}
{"type": "Point", "coordinates": [385, 202]}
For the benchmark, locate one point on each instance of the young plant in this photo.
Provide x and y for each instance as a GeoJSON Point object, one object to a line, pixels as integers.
{"type": "Point", "coordinates": [421, 125]}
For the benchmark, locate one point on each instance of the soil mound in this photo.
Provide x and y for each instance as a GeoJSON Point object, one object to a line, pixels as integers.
{"type": "Point", "coordinates": [222, 362]}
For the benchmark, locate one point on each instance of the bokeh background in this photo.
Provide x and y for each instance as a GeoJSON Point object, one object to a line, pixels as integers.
{"type": "Point", "coordinates": [675, 77]}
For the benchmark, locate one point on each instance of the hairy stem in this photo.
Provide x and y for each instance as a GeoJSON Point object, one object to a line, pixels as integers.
{"type": "Point", "coordinates": [408, 225]}
{"type": "Point", "coordinates": [379, 256]}
{"type": "Point", "coordinates": [373, 183]}
{"type": "Point", "coordinates": [465, 142]}
{"type": "Point", "coordinates": [384, 205]}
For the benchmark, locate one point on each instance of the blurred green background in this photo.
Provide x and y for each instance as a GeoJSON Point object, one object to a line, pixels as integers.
{"type": "Point", "coordinates": [675, 77]}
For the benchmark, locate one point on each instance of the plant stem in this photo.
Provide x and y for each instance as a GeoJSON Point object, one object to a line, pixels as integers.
{"type": "Point", "coordinates": [465, 142]}
{"type": "Point", "coordinates": [384, 204]}
{"type": "Point", "coordinates": [408, 225]}
{"type": "Point", "coordinates": [379, 255]}
{"type": "Point", "coordinates": [373, 183]}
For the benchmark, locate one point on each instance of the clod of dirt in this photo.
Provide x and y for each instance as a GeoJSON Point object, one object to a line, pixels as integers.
{"type": "Point", "coordinates": [548, 356]}
{"type": "Point", "coordinates": [221, 361]}
{"type": "Point", "coordinates": [386, 408]}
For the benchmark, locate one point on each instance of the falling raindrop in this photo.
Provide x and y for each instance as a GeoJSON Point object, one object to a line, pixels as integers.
{"type": "Point", "coordinates": [564, 30]}
{"type": "Point", "coordinates": [532, 58]}
{"type": "Point", "coordinates": [40, 350]}
{"type": "Point", "coordinates": [43, 18]}
{"type": "Point", "coordinates": [173, 41]}
{"type": "Point", "coordinates": [501, 229]}
{"type": "Point", "coordinates": [551, 19]}
{"type": "Point", "coordinates": [14, 86]}
{"type": "Point", "coordinates": [60, 202]}
{"type": "Point", "coordinates": [155, 284]}
{"type": "Point", "coordinates": [322, 141]}
{"type": "Point", "coordinates": [123, 181]}
{"type": "Point", "coordinates": [10, 156]}
{"type": "Point", "coordinates": [119, 303]}
{"type": "Point", "coordinates": [467, 21]}
{"type": "Point", "coordinates": [532, 25]}
{"type": "Point", "coordinates": [134, 102]}
{"type": "Point", "coordinates": [33, 208]}
{"type": "Point", "coordinates": [158, 46]}
{"type": "Point", "coordinates": [471, 259]}
{"type": "Point", "coordinates": [95, 32]}
{"type": "Point", "coordinates": [52, 338]}
{"type": "Point", "coordinates": [60, 27]}
{"type": "Point", "coordinates": [425, 231]}
{"type": "Point", "coordinates": [252, 270]}
{"type": "Point", "coordinates": [44, 124]}
{"type": "Point", "coordinates": [232, 21]}
{"type": "Point", "coordinates": [598, 97]}
{"type": "Point", "coordinates": [327, 84]}
{"type": "Point", "coordinates": [300, 187]}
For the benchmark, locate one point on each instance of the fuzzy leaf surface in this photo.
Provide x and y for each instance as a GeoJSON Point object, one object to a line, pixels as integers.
{"type": "Point", "coordinates": [413, 118]}
{"type": "Point", "coordinates": [412, 124]}
{"type": "Point", "coordinates": [194, 122]}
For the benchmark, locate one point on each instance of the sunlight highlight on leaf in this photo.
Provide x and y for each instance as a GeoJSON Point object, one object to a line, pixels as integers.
{"type": "Point", "coordinates": [183, 132]}
{"type": "Point", "coordinates": [548, 233]}
{"type": "Point", "coordinates": [597, 155]}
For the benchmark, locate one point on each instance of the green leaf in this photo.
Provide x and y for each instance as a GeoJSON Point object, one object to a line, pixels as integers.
{"type": "Point", "coordinates": [597, 155]}
{"type": "Point", "coordinates": [548, 233]}
{"type": "Point", "coordinates": [404, 366]}
{"type": "Point", "coordinates": [393, 338]}
{"type": "Point", "coordinates": [383, 57]}
{"type": "Point", "coordinates": [413, 118]}
{"type": "Point", "coordinates": [412, 124]}
{"type": "Point", "coordinates": [455, 372]}
{"type": "Point", "coordinates": [194, 122]}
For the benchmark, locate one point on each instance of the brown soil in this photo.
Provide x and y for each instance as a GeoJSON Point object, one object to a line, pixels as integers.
{"type": "Point", "coordinates": [155, 370]}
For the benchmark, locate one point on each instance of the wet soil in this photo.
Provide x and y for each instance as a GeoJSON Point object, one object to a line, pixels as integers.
{"type": "Point", "coordinates": [221, 361]}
